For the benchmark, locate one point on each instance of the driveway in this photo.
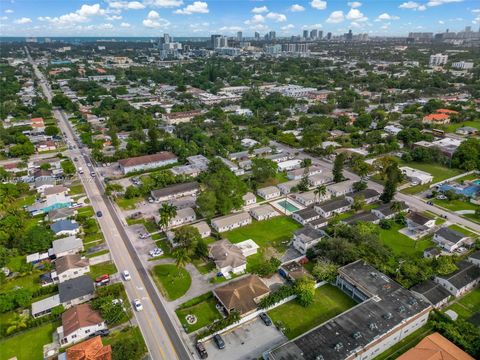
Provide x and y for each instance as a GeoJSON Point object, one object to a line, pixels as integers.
{"type": "Point", "coordinates": [247, 342]}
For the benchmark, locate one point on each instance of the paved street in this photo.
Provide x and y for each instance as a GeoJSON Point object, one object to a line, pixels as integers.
{"type": "Point", "coordinates": [158, 329]}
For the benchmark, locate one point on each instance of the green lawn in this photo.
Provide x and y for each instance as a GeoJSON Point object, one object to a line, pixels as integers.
{"type": "Point", "coordinates": [275, 232]}
{"type": "Point", "coordinates": [127, 204]}
{"type": "Point", "coordinates": [126, 333]}
{"type": "Point", "coordinates": [29, 281]}
{"type": "Point", "coordinates": [468, 305]}
{"type": "Point", "coordinates": [439, 173]}
{"type": "Point", "coordinates": [98, 253]}
{"type": "Point", "coordinates": [203, 308]}
{"type": "Point", "coordinates": [454, 127]}
{"type": "Point", "coordinates": [409, 342]}
{"type": "Point", "coordinates": [463, 230]}
{"type": "Point", "coordinates": [77, 189]}
{"type": "Point", "coordinates": [402, 244]}
{"type": "Point", "coordinates": [173, 282]}
{"type": "Point", "coordinates": [29, 344]}
{"type": "Point", "coordinates": [86, 210]}
{"type": "Point", "coordinates": [295, 319]}
{"type": "Point", "coordinates": [279, 178]}
{"type": "Point", "coordinates": [102, 268]}
{"type": "Point", "coordinates": [455, 205]}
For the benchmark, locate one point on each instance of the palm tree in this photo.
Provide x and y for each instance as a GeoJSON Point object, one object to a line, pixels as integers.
{"type": "Point", "coordinates": [181, 257]}
{"type": "Point", "coordinates": [320, 191]}
{"type": "Point", "coordinates": [17, 323]}
{"type": "Point", "coordinates": [396, 206]}
{"type": "Point", "coordinates": [167, 212]}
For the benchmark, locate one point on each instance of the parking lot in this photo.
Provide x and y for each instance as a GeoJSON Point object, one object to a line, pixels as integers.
{"type": "Point", "coordinates": [246, 342]}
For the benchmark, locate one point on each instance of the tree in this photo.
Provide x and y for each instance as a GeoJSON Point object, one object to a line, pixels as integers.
{"type": "Point", "coordinates": [207, 204]}
{"type": "Point", "coordinates": [393, 178]}
{"type": "Point", "coordinates": [467, 155]}
{"type": "Point", "coordinates": [17, 323]}
{"type": "Point", "coordinates": [359, 186]}
{"type": "Point", "coordinates": [338, 167]}
{"type": "Point", "coordinates": [325, 270]}
{"type": "Point", "coordinates": [38, 238]}
{"type": "Point", "coordinates": [263, 169]}
{"type": "Point", "coordinates": [181, 256]}
{"type": "Point", "coordinates": [128, 348]}
{"type": "Point", "coordinates": [201, 249]}
{"type": "Point", "coordinates": [306, 162]}
{"type": "Point", "coordinates": [167, 213]}
{"type": "Point", "coordinates": [303, 184]}
{"type": "Point", "coordinates": [113, 188]}
{"type": "Point", "coordinates": [52, 130]}
{"type": "Point", "coordinates": [319, 192]}
{"type": "Point", "coordinates": [305, 291]}
{"type": "Point", "coordinates": [68, 167]}
{"type": "Point", "coordinates": [187, 237]}
{"type": "Point", "coordinates": [358, 202]}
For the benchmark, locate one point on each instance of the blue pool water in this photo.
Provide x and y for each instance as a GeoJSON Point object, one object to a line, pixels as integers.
{"type": "Point", "coordinates": [288, 206]}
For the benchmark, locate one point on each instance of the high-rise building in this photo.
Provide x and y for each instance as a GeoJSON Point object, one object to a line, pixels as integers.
{"type": "Point", "coordinates": [314, 34]}
{"type": "Point", "coordinates": [239, 36]}
{"type": "Point", "coordinates": [329, 36]}
{"type": "Point", "coordinates": [305, 34]}
{"type": "Point", "coordinates": [438, 59]}
{"type": "Point", "coordinates": [320, 34]}
{"type": "Point", "coordinates": [257, 36]}
{"type": "Point", "coordinates": [213, 40]}
{"type": "Point", "coordinates": [349, 35]}
{"type": "Point", "coordinates": [272, 35]}
{"type": "Point", "coordinates": [468, 29]}
{"type": "Point", "coordinates": [167, 39]}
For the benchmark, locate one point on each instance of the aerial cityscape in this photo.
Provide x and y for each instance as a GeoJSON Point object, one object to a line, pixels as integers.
{"type": "Point", "coordinates": [239, 180]}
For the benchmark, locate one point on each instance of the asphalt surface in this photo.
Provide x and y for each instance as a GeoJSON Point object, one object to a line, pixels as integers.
{"type": "Point", "coordinates": [159, 331]}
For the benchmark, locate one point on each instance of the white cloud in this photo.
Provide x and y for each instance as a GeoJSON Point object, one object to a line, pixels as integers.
{"type": "Point", "coordinates": [441, 2]}
{"type": "Point", "coordinates": [256, 19]}
{"type": "Point", "coordinates": [318, 4]}
{"type": "Point", "coordinates": [259, 10]}
{"type": "Point", "coordinates": [154, 20]}
{"type": "Point", "coordinates": [476, 11]}
{"type": "Point", "coordinates": [288, 27]}
{"type": "Point", "coordinates": [125, 25]}
{"type": "Point", "coordinates": [409, 5]}
{"type": "Point", "coordinates": [105, 26]}
{"type": "Point", "coordinates": [276, 17]}
{"type": "Point", "coordinates": [296, 8]}
{"type": "Point", "coordinates": [113, 17]}
{"type": "Point", "coordinates": [441, 22]}
{"type": "Point", "coordinates": [163, 3]}
{"type": "Point", "coordinates": [197, 7]}
{"type": "Point", "coordinates": [23, 20]}
{"type": "Point", "coordinates": [9, 11]}
{"type": "Point", "coordinates": [354, 4]}
{"type": "Point", "coordinates": [90, 10]}
{"type": "Point", "coordinates": [3, 18]}
{"type": "Point", "coordinates": [386, 16]}
{"type": "Point", "coordinates": [356, 15]}
{"type": "Point", "coordinates": [336, 17]}
{"type": "Point", "coordinates": [231, 29]}
{"type": "Point", "coordinates": [422, 8]}
{"type": "Point", "coordinates": [127, 5]}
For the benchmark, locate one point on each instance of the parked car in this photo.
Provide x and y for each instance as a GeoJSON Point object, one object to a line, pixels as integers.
{"type": "Point", "coordinates": [103, 332]}
{"type": "Point", "coordinates": [219, 341]}
{"type": "Point", "coordinates": [201, 350]}
{"type": "Point", "coordinates": [155, 252]}
{"type": "Point", "coordinates": [137, 305]}
{"type": "Point", "coordinates": [266, 320]}
{"type": "Point", "coordinates": [92, 174]}
{"type": "Point", "coordinates": [102, 278]}
{"type": "Point", "coordinates": [99, 214]}
{"type": "Point", "coordinates": [126, 275]}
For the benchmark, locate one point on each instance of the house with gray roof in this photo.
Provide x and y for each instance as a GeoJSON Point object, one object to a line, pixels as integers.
{"type": "Point", "coordinates": [175, 191]}
{"type": "Point", "coordinates": [61, 214]}
{"type": "Point", "coordinates": [65, 227]}
{"type": "Point", "coordinates": [341, 188]}
{"type": "Point", "coordinates": [450, 239]}
{"type": "Point", "coordinates": [306, 215]}
{"type": "Point", "coordinates": [232, 221]}
{"type": "Point", "coordinates": [263, 212]}
{"type": "Point", "coordinates": [333, 207]}
{"type": "Point", "coordinates": [286, 187]}
{"type": "Point", "coordinates": [369, 195]}
{"type": "Point", "coordinates": [387, 211]}
{"type": "Point", "coordinates": [362, 216]}
{"type": "Point", "coordinates": [76, 291]}
{"type": "Point", "coordinates": [432, 292]}
{"type": "Point", "coordinates": [462, 280]}
{"type": "Point", "coordinates": [306, 238]}
{"type": "Point", "coordinates": [269, 192]}
{"type": "Point", "coordinates": [227, 257]}
{"type": "Point", "coordinates": [66, 246]}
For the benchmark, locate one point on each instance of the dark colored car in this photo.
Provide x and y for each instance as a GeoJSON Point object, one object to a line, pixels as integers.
{"type": "Point", "coordinates": [266, 320]}
{"type": "Point", "coordinates": [201, 350]}
{"type": "Point", "coordinates": [219, 341]}
{"type": "Point", "coordinates": [99, 214]}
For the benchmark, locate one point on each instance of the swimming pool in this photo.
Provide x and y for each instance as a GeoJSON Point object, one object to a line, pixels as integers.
{"type": "Point", "coordinates": [287, 206]}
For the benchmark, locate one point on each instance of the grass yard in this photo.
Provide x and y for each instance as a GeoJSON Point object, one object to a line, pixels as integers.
{"type": "Point", "coordinates": [87, 211]}
{"type": "Point", "coordinates": [454, 127]}
{"type": "Point", "coordinates": [29, 344]}
{"type": "Point", "coordinates": [402, 244]}
{"type": "Point", "coordinates": [77, 189]}
{"type": "Point", "coordinates": [275, 232]}
{"type": "Point", "coordinates": [102, 268]}
{"type": "Point", "coordinates": [279, 178]}
{"type": "Point", "coordinates": [98, 253]}
{"type": "Point", "coordinates": [467, 306]}
{"type": "Point", "coordinates": [463, 230]}
{"type": "Point", "coordinates": [29, 281]}
{"type": "Point", "coordinates": [455, 205]}
{"type": "Point", "coordinates": [203, 307]}
{"type": "Point", "coordinates": [295, 319]}
{"type": "Point", "coordinates": [127, 204]}
{"type": "Point", "coordinates": [126, 333]}
{"type": "Point", "coordinates": [173, 282]}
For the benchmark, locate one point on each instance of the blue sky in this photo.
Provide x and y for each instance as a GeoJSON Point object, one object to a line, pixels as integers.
{"type": "Point", "coordinates": [204, 17]}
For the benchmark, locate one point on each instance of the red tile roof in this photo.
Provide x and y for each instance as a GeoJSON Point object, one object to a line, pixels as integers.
{"type": "Point", "coordinates": [436, 117]}
{"type": "Point", "coordinates": [91, 349]}
{"type": "Point", "coordinates": [147, 159]}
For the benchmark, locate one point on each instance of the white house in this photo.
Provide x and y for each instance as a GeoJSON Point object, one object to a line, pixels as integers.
{"type": "Point", "coordinates": [249, 199]}
{"type": "Point", "coordinates": [309, 197]}
{"type": "Point", "coordinates": [289, 165]}
{"type": "Point", "coordinates": [202, 228]}
{"type": "Point", "coordinates": [333, 207]}
{"type": "Point", "coordinates": [416, 177]}
{"type": "Point", "coordinates": [232, 221]}
{"type": "Point", "coordinates": [79, 322]}
{"type": "Point", "coordinates": [66, 246]}
{"type": "Point", "coordinates": [248, 247]}
{"type": "Point", "coordinates": [306, 215]}
{"type": "Point", "coordinates": [228, 258]}
{"type": "Point", "coordinates": [263, 212]}
{"type": "Point", "coordinates": [65, 227]}
{"type": "Point", "coordinates": [369, 195]}
{"type": "Point", "coordinates": [71, 266]}
{"type": "Point", "coordinates": [341, 188]}
{"type": "Point", "coordinates": [184, 216]}
{"type": "Point", "coordinates": [449, 239]}
{"type": "Point", "coordinates": [269, 192]}
{"type": "Point", "coordinates": [297, 174]}
{"type": "Point", "coordinates": [306, 238]}
{"type": "Point", "coordinates": [142, 163]}
{"type": "Point", "coordinates": [461, 281]}
{"type": "Point", "coordinates": [286, 187]}
{"type": "Point", "coordinates": [319, 179]}
{"type": "Point", "coordinates": [417, 222]}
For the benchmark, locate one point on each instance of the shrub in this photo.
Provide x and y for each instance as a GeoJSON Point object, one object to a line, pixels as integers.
{"type": "Point", "coordinates": [281, 293]}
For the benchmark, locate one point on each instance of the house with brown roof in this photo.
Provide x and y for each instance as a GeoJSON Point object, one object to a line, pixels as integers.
{"type": "Point", "coordinates": [71, 266]}
{"type": "Point", "coordinates": [227, 257]}
{"type": "Point", "coordinates": [78, 323]}
{"type": "Point", "coordinates": [141, 163]}
{"type": "Point", "coordinates": [91, 349]}
{"type": "Point", "coordinates": [435, 347]}
{"type": "Point", "coordinates": [180, 117]}
{"type": "Point", "coordinates": [242, 295]}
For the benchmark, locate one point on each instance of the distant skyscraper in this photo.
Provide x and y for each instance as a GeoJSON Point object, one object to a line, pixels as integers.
{"type": "Point", "coordinates": [349, 35]}
{"type": "Point", "coordinates": [272, 35]}
{"type": "Point", "coordinates": [314, 34]}
{"type": "Point", "coordinates": [166, 39]}
{"type": "Point", "coordinates": [239, 36]}
{"type": "Point", "coordinates": [213, 40]}
{"type": "Point", "coordinates": [468, 28]}
{"type": "Point", "coordinates": [329, 36]}
{"type": "Point", "coordinates": [320, 34]}
{"type": "Point", "coordinates": [257, 36]}
{"type": "Point", "coordinates": [438, 59]}
{"type": "Point", "coordinates": [305, 34]}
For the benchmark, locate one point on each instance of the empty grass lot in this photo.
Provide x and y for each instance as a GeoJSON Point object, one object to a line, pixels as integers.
{"type": "Point", "coordinates": [455, 205]}
{"type": "Point", "coordinates": [402, 244]}
{"type": "Point", "coordinates": [467, 306]}
{"type": "Point", "coordinates": [29, 344]}
{"type": "Point", "coordinates": [329, 302]}
{"type": "Point", "coordinates": [103, 268]}
{"type": "Point", "coordinates": [203, 307]}
{"type": "Point", "coordinates": [173, 282]}
{"type": "Point", "coordinates": [275, 232]}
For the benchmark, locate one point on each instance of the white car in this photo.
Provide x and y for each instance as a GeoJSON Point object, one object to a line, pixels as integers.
{"type": "Point", "coordinates": [137, 305]}
{"type": "Point", "coordinates": [126, 275]}
{"type": "Point", "coordinates": [155, 252]}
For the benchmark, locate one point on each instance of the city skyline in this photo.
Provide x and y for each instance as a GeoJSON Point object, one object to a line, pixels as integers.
{"type": "Point", "coordinates": [202, 18]}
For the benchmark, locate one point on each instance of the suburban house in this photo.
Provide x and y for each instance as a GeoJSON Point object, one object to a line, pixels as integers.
{"type": "Point", "coordinates": [363, 216]}
{"type": "Point", "coordinates": [91, 349]}
{"type": "Point", "coordinates": [415, 176]}
{"type": "Point", "coordinates": [71, 266]}
{"type": "Point", "coordinates": [435, 346]}
{"type": "Point", "coordinates": [306, 238]}
{"type": "Point", "coordinates": [65, 227]}
{"type": "Point", "coordinates": [386, 314]}
{"type": "Point", "coordinates": [248, 247]}
{"type": "Point", "coordinates": [309, 197]}
{"type": "Point", "coordinates": [61, 214]}
{"type": "Point", "coordinates": [297, 174]}
{"type": "Point", "coordinates": [333, 207]}
{"type": "Point", "coordinates": [432, 252]}
{"type": "Point", "coordinates": [56, 190]}
{"type": "Point", "coordinates": [175, 191]}
{"type": "Point", "coordinates": [249, 199]}
{"type": "Point", "coordinates": [474, 258]}
{"type": "Point", "coordinates": [65, 246]}
{"type": "Point", "coordinates": [293, 271]}
{"type": "Point", "coordinates": [432, 292]}
{"type": "Point", "coordinates": [387, 211]}
{"type": "Point", "coordinates": [202, 228]}
{"type": "Point", "coordinates": [78, 323]}
{"type": "Point", "coordinates": [289, 165]}
{"type": "Point", "coordinates": [320, 179]}
{"type": "Point", "coordinates": [232, 221]}
{"type": "Point", "coordinates": [449, 239]}
{"type": "Point", "coordinates": [269, 192]}
{"type": "Point", "coordinates": [417, 222]}
{"type": "Point", "coordinates": [51, 202]}
{"type": "Point", "coordinates": [462, 280]}
{"type": "Point", "coordinates": [263, 212]}
{"type": "Point", "coordinates": [369, 195]}
{"type": "Point", "coordinates": [242, 295]}
{"type": "Point", "coordinates": [280, 157]}
{"type": "Point", "coordinates": [227, 257]}
{"type": "Point", "coordinates": [181, 117]}
{"type": "Point", "coordinates": [146, 162]}
{"type": "Point", "coordinates": [306, 215]}
{"type": "Point", "coordinates": [340, 188]}
{"type": "Point", "coordinates": [286, 187]}
{"type": "Point", "coordinates": [42, 183]}
{"type": "Point", "coordinates": [183, 216]}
